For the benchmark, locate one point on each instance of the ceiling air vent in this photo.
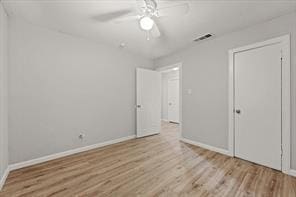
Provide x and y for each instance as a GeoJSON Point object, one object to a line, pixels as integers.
{"type": "Point", "coordinates": [203, 37]}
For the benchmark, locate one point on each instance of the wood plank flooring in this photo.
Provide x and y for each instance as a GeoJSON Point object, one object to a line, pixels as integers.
{"type": "Point", "coordinates": [159, 165]}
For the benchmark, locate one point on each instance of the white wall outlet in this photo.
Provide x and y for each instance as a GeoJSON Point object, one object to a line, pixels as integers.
{"type": "Point", "coordinates": [81, 136]}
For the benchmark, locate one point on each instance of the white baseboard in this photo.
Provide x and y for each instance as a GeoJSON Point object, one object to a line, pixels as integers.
{"type": "Point", "coordinates": [3, 178]}
{"type": "Point", "coordinates": [98, 145]}
{"type": "Point", "coordinates": [66, 153]}
{"type": "Point", "coordinates": [292, 172]}
{"type": "Point", "coordinates": [205, 146]}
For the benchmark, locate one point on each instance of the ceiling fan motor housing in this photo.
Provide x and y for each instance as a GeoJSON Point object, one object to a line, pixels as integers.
{"type": "Point", "coordinates": [150, 8]}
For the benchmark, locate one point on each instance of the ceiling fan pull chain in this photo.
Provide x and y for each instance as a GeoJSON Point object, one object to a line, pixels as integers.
{"type": "Point", "coordinates": [148, 35]}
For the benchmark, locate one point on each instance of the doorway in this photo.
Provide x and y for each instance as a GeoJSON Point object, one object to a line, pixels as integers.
{"type": "Point", "coordinates": [170, 95]}
{"type": "Point", "coordinates": [259, 107]}
{"type": "Point", "coordinates": [159, 98]}
{"type": "Point", "coordinates": [171, 98]}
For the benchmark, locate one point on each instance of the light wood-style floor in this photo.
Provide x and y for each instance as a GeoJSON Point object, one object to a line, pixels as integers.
{"type": "Point", "coordinates": [159, 165]}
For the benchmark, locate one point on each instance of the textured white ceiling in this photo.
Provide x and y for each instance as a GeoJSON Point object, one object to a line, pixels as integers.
{"type": "Point", "coordinates": [77, 17]}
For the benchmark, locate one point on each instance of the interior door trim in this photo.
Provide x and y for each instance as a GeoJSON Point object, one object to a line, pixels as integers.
{"type": "Point", "coordinates": [286, 97]}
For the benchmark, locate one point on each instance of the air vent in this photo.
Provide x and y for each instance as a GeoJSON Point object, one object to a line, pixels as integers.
{"type": "Point", "coordinates": [203, 37]}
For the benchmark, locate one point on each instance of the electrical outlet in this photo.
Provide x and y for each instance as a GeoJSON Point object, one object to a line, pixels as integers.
{"type": "Point", "coordinates": [81, 136]}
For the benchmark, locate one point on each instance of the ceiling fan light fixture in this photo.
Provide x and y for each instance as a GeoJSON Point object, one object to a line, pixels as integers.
{"type": "Point", "coordinates": [146, 23]}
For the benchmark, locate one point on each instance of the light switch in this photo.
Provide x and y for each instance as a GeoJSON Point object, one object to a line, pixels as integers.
{"type": "Point", "coordinates": [189, 91]}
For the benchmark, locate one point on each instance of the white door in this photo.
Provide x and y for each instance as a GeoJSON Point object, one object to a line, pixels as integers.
{"type": "Point", "coordinates": [258, 105]}
{"type": "Point", "coordinates": [148, 102]}
{"type": "Point", "coordinates": [173, 100]}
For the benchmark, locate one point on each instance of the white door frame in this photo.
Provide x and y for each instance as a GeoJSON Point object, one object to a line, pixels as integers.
{"type": "Point", "coordinates": [286, 103]}
{"type": "Point", "coordinates": [170, 67]}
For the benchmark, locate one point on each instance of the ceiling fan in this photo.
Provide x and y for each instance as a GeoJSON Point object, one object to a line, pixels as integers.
{"type": "Point", "coordinates": [146, 14]}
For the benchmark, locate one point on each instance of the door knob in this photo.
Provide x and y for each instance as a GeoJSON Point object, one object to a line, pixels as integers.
{"type": "Point", "coordinates": [170, 103]}
{"type": "Point", "coordinates": [138, 106]}
{"type": "Point", "coordinates": [238, 111]}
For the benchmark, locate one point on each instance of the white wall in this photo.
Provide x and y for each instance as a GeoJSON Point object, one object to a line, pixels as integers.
{"type": "Point", "coordinates": [205, 71]}
{"type": "Point", "coordinates": [3, 93]}
{"type": "Point", "coordinates": [166, 76]}
{"type": "Point", "coordinates": [60, 85]}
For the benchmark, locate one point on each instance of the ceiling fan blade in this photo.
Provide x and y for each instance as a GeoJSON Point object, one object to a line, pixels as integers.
{"type": "Point", "coordinates": [155, 33]}
{"type": "Point", "coordinates": [176, 10]}
{"type": "Point", "coordinates": [106, 17]}
{"type": "Point", "coordinates": [127, 18]}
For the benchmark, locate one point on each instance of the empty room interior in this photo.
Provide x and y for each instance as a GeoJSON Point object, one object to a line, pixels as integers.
{"type": "Point", "coordinates": [140, 98]}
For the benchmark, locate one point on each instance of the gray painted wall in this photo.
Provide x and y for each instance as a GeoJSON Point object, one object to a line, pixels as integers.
{"type": "Point", "coordinates": [205, 71]}
{"type": "Point", "coordinates": [60, 85]}
{"type": "Point", "coordinates": [3, 92]}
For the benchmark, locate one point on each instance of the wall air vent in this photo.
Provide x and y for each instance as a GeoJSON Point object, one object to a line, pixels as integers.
{"type": "Point", "coordinates": [203, 37]}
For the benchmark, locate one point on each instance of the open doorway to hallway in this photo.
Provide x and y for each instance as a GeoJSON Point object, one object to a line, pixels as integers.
{"type": "Point", "coordinates": [170, 99]}
{"type": "Point", "coordinates": [170, 95]}
{"type": "Point", "coordinates": [158, 99]}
